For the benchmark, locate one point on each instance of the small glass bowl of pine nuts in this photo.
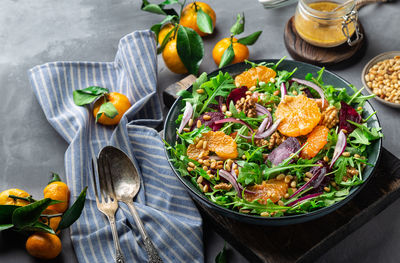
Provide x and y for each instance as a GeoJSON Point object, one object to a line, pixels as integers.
{"type": "Point", "coordinates": [381, 76]}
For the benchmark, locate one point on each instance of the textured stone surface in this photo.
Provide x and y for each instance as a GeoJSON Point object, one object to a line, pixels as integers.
{"type": "Point", "coordinates": [35, 32]}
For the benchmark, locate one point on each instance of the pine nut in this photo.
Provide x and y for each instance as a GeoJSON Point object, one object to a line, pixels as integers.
{"type": "Point", "coordinates": [204, 145]}
{"type": "Point", "coordinates": [200, 179]}
{"type": "Point", "coordinates": [200, 91]}
{"type": "Point", "coordinates": [191, 164]}
{"type": "Point", "coordinates": [198, 124]}
{"type": "Point", "coordinates": [346, 154]}
{"type": "Point", "coordinates": [190, 123]}
{"type": "Point", "coordinates": [228, 113]}
{"type": "Point", "coordinates": [280, 177]}
{"type": "Point", "coordinates": [207, 117]}
{"type": "Point", "coordinates": [199, 144]}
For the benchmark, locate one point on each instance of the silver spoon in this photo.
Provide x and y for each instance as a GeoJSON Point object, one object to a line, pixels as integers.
{"type": "Point", "coordinates": [126, 181]}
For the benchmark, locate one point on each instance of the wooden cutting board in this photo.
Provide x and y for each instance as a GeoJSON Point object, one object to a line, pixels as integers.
{"type": "Point", "coordinates": [307, 241]}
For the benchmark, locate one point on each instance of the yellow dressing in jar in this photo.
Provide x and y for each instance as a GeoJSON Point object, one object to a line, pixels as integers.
{"type": "Point", "coordinates": [320, 22]}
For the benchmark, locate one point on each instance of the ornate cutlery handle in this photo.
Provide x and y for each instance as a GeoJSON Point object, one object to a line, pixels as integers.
{"type": "Point", "coordinates": [119, 257]}
{"type": "Point", "coordinates": [148, 245]}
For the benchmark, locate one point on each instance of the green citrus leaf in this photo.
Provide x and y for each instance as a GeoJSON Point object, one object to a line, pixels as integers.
{"type": "Point", "coordinates": [27, 215]}
{"type": "Point", "coordinates": [6, 212]}
{"type": "Point", "coordinates": [190, 48]}
{"type": "Point", "coordinates": [204, 22]}
{"type": "Point", "coordinates": [250, 39]}
{"type": "Point", "coordinates": [74, 212]}
{"type": "Point", "coordinates": [157, 27]}
{"type": "Point", "coordinates": [170, 2]}
{"type": "Point", "coordinates": [5, 226]}
{"type": "Point", "coordinates": [153, 8]}
{"type": "Point", "coordinates": [227, 57]}
{"type": "Point", "coordinates": [165, 41]}
{"type": "Point", "coordinates": [222, 256]}
{"type": "Point", "coordinates": [39, 226]}
{"type": "Point", "coordinates": [238, 27]}
{"type": "Point", "coordinates": [88, 95]}
{"type": "Point", "coordinates": [108, 109]}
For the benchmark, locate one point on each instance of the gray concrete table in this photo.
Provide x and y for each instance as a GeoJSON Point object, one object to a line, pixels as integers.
{"type": "Point", "coordinates": [35, 32]}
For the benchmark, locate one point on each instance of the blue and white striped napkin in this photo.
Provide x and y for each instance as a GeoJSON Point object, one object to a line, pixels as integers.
{"type": "Point", "coordinates": [168, 213]}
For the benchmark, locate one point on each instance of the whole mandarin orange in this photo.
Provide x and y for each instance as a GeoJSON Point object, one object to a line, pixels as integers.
{"type": "Point", "coordinates": [6, 200]}
{"type": "Point", "coordinates": [172, 59]}
{"type": "Point", "coordinates": [43, 245]}
{"type": "Point", "coordinates": [57, 191]}
{"type": "Point", "coordinates": [120, 102]}
{"type": "Point", "coordinates": [164, 31]}
{"type": "Point", "coordinates": [189, 16]}
{"type": "Point", "coordinates": [241, 51]}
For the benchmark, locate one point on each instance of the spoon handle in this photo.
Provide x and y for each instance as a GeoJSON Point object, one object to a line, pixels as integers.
{"type": "Point", "coordinates": [148, 245]}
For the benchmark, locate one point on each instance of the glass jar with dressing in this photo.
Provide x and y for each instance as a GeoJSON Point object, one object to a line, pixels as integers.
{"type": "Point", "coordinates": [327, 23]}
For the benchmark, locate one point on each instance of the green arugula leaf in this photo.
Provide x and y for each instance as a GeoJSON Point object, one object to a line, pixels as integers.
{"type": "Point", "coordinates": [74, 212]}
{"type": "Point", "coordinates": [341, 166]}
{"type": "Point", "coordinates": [195, 98]}
{"type": "Point", "coordinates": [108, 109]}
{"type": "Point", "coordinates": [222, 257]}
{"type": "Point", "coordinates": [370, 133]}
{"type": "Point", "coordinates": [204, 22]}
{"type": "Point", "coordinates": [29, 214]}
{"type": "Point", "coordinates": [227, 57]}
{"type": "Point", "coordinates": [189, 137]}
{"type": "Point", "coordinates": [250, 39]}
{"type": "Point", "coordinates": [220, 85]}
{"type": "Point", "coordinates": [238, 27]}
{"type": "Point", "coordinates": [88, 95]}
{"type": "Point", "coordinates": [250, 173]}
{"type": "Point", "coordinates": [190, 48]}
{"type": "Point", "coordinates": [359, 137]}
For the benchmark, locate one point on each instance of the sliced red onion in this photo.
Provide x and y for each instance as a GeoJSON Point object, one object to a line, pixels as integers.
{"type": "Point", "coordinates": [235, 121]}
{"type": "Point", "coordinates": [262, 109]}
{"type": "Point", "coordinates": [283, 90]}
{"type": "Point", "coordinates": [340, 147]}
{"type": "Point", "coordinates": [318, 175]}
{"type": "Point", "coordinates": [264, 125]}
{"type": "Point", "coordinates": [313, 86]}
{"type": "Point", "coordinates": [230, 178]}
{"type": "Point", "coordinates": [304, 198]}
{"type": "Point", "coordinates": [187, 114]}
{"type": "Point", "coordinates": [266, 133]}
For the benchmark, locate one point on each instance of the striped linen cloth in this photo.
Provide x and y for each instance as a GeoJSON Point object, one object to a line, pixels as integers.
{"type": "Point", "coordinates": [168, 213]}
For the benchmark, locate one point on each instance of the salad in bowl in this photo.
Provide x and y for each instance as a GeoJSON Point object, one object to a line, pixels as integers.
{"type": "Point", "coordinates": [267, 144]}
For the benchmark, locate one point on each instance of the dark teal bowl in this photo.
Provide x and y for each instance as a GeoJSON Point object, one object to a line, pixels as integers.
{"type": "Point", "coordinates": [302, 69]}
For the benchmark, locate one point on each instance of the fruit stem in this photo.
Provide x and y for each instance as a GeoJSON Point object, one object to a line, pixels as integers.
{"type": "Point", "coordinates": [28, 199]}
{"type": "Point", "coordinates": [54, 178]}
{"type": "Point", "coordinates": [196, 8]}
{"type": "Point", "coordinates": [51, 216]}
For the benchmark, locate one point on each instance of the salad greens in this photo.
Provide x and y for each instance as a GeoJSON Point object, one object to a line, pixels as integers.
{"type": "Point", "coordinates": [270, 175]}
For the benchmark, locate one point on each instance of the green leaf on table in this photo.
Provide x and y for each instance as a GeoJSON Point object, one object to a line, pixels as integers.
{"type": "Point", "coordinates": [5, 226]}
{"type": "Point", "coordinates": [38, 226]}
{"type": "Point", "coordinates": [204, 22]}
{"type": "Point", "coordinates": [222, 257]}
{"type": "Point", "coordinates": [238, 27]}
{"type": "Point", "coordinates": [6, 212]}
{"type": "Point", "coordinates": [29, 214]}
{"type": "Point", "coordinates": [250, 39]}
{"type": "Point", "coordinates": [74, 212]}
{"type": "Point", "coordinates": [227, 57]}
{"type": "Point", "coordinates": [190, 48]}
{"type": "Point", "coordinates": [108, 109]}
{"type": "Point", "coordinates": [88, 95]}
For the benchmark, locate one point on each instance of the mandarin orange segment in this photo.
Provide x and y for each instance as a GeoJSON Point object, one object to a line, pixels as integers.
{"type": "Point", "coordinates": [250, 77]}
{"type": "Point", "coordinates": [316, 140]}
{"type": "Point", "coordinates": [272, 189]}
{"type": "Point", "coordinates": [196, 153]}
{"type": "Point", "coordinates": [220, 143]}
{"type": "Point", "coordinates": [299, 115]}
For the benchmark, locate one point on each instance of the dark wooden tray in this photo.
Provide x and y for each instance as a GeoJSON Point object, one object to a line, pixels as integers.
{"type": "Point", "coordinates": [307, 241]}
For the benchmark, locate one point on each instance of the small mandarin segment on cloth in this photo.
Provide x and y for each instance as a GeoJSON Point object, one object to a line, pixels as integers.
{"type": "Point", "coordinates": [43, 245]}
{"type": "Point", "coordinates": [254, 75]}
{"type": "Point", "coordinates": [190, 13]}
{"type": "Point", "coordinates": [256, 144]}
{"type": "Point", "coordinates": [5, 198]}
{"type": "Point", "coordinates": [316, 140]}
{"type": "Point", "coordinates": [299, 115]}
